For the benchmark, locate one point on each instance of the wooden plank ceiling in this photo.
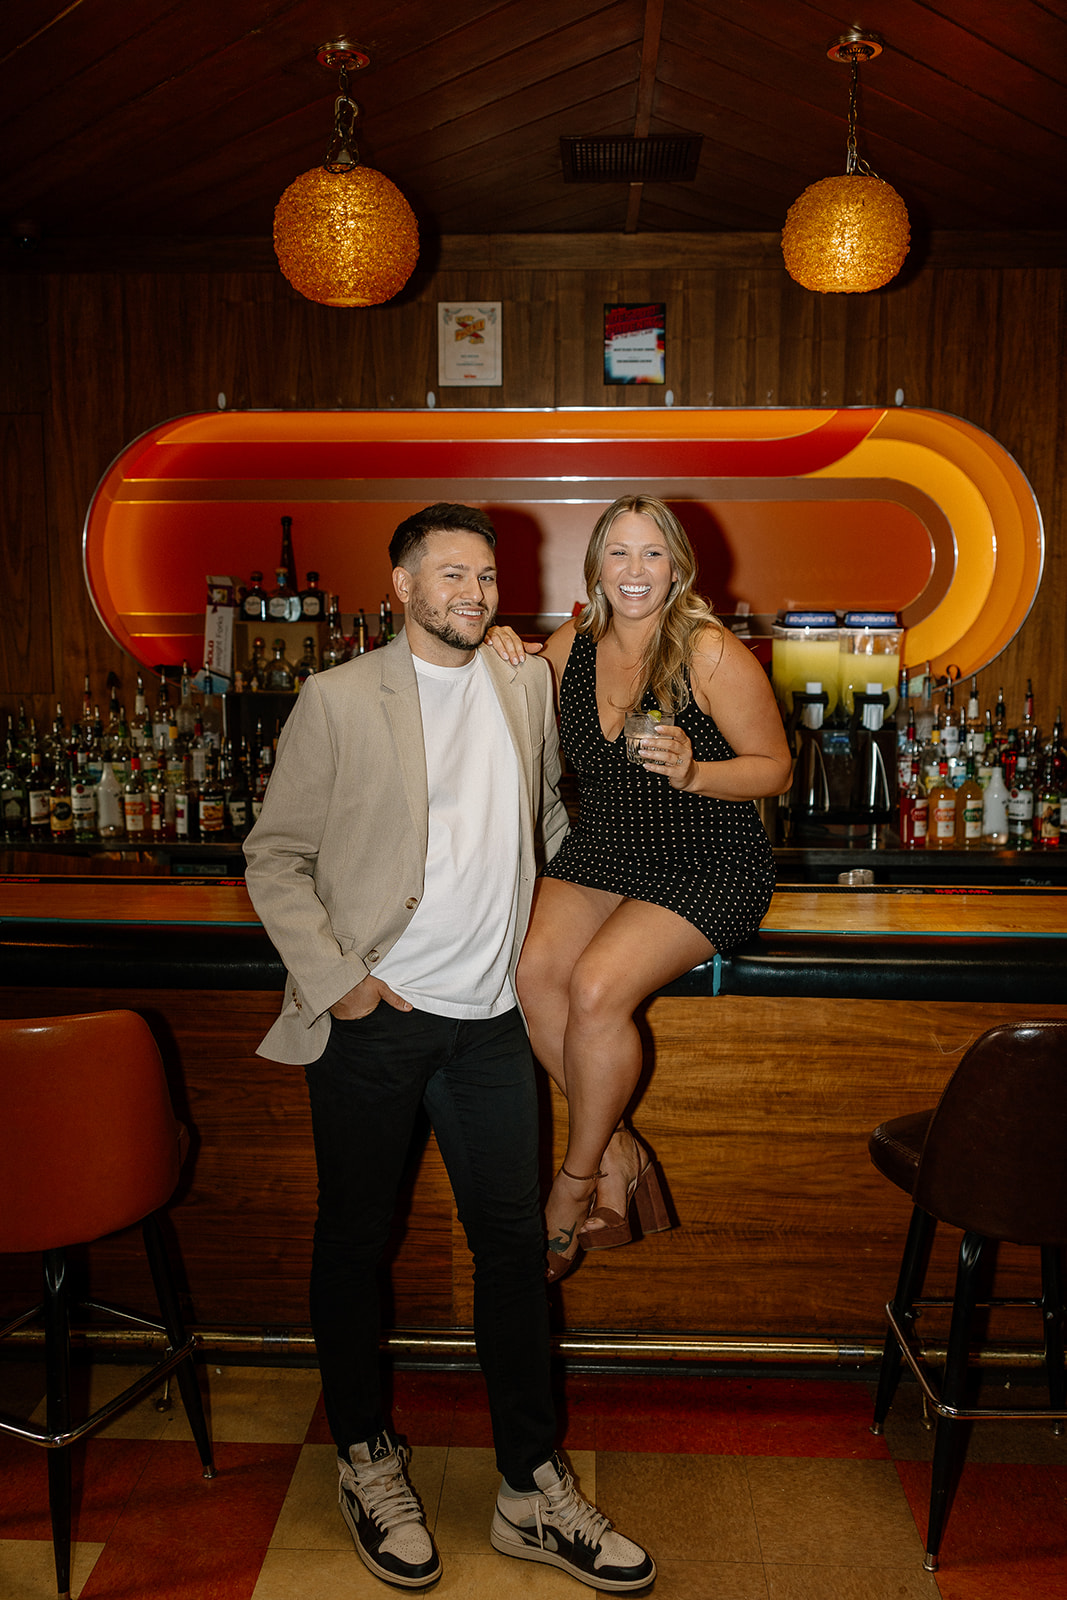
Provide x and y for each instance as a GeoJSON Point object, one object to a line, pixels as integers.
{"type": "Point", "coordinates": [167, 118]}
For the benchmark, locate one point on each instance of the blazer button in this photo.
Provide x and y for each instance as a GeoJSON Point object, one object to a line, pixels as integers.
{"type": "Point", "coordinates": [372, 956]}
{"type": "Point", "coordinates": [410, 903]}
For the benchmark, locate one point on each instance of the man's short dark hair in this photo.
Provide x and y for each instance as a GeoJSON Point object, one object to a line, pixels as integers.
{"type": "Point", "coordinates": [405, 547]}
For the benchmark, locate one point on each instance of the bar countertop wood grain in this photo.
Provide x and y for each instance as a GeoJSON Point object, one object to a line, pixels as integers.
{"type": "Point", "coordinates": [824, 910]}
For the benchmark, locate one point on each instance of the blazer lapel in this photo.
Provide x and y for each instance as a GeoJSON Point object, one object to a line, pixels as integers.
{"type": "Point", "coordinates": [400, 699]}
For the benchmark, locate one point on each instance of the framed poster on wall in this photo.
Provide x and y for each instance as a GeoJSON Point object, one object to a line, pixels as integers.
{"type": "Point", "coordinates": [635, 343]}
{"type": "Point", "coordinates": [468, 344]}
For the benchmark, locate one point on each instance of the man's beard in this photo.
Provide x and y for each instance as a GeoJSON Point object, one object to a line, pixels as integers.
{"type": "Point", "coordinates": [433, 622]}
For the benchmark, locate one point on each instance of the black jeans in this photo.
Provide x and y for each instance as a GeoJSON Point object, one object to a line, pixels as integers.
{"type": "Point", "coordinates": [476, 1081]}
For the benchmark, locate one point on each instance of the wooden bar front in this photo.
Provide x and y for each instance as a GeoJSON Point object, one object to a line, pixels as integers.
{"type": "Point", "coordinates": [757, 1105]}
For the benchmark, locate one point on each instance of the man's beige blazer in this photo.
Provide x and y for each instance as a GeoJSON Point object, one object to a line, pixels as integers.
{"type": "Point", "coordinates": [335, 863]}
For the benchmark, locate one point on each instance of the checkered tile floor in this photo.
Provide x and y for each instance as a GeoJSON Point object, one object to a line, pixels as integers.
{"type": "Point", "coordinates": [743, 1489]}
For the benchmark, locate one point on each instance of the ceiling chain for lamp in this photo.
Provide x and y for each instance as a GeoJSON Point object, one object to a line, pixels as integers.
{"type": "Point", "coordinates": [847, 235]}
{"type": "Point", "coordinates": [343, 234]}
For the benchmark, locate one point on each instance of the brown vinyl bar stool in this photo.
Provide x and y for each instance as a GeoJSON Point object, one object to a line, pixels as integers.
{"type": "Point", "coordinates": [88, 1145]}
{"type": "Point", "coordinates": [990, 1158]}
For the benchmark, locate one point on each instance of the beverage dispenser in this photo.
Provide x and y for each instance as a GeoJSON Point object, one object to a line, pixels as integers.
{"type": "Point", "coordinates": [836, 684]}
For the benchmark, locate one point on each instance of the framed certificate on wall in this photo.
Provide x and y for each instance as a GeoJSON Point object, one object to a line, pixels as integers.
{"type": "Point", "coordinates": [635, 343]}
{"type": "Point", "coordinates": [468, 344]}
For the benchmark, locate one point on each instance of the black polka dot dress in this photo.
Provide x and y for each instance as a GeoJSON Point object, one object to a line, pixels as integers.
{"type": "Point", "coordinates": [708, 860]}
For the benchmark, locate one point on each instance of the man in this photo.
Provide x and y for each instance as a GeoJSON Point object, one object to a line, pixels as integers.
{"type": "Point", "coordinates": [393, 867]}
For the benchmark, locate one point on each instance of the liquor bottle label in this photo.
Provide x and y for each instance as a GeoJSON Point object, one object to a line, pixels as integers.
{"type": "Point", "coordinates": [944, 820]}
{"type": "Point", "coordinates": [972, 821]}
{"type": "Point", "coordinates": [83, 801]}
{"type": "Point", "coordinates": [212, 816]}
{"type": "Point", "coordinates": [62, 817]}
{"type": "Point", "coordinates": [136, 813]}
{"type": "Point", "coordinates": [40, 805]}
{"type": "Point", "coordinates": [312, 607]}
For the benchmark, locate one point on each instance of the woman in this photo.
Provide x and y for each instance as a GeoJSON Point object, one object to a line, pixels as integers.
{"type": "Point", "coordinates": [668, 861]}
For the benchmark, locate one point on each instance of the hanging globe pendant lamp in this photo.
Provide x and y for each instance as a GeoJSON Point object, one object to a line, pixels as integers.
{"type": "Point", "coordinates": [344, 235]}
{"type": "Point", "coordinates": [849, 234]}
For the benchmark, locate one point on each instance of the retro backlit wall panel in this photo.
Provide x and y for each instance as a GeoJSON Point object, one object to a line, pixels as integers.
{"type": "Point", "coordinates": [915, 511]}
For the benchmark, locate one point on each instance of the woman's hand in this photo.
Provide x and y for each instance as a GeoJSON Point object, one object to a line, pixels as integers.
{"type": "Point", "coordinates": [508, 646]}
{"type": "Point", "coordinates": [670, 754]}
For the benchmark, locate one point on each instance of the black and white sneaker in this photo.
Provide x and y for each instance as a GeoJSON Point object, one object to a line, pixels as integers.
{"type": "Point", "coordinates": [384, 1516]}
{"type": "Point", "coordinates": [558, 1526]}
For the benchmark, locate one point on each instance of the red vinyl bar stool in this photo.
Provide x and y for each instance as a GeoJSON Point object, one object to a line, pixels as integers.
{"type": "Point", "coordinates": [990, 1159]}
{"type": "Point", "coordinates": [88, 1145]}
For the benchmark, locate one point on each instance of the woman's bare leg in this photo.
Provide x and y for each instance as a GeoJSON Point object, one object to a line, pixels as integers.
{"type": "Point", "coordinates": [586, 974]}
{"type": "Point", "coordinates": [565, 917]}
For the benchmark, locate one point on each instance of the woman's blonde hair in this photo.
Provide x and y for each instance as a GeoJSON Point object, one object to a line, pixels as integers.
{"type": "Point", "coordinates": [685, 615]}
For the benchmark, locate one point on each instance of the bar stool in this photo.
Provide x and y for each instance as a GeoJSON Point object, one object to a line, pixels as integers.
{"type": "Point", "coordinates": [989, 1158]}
{"type": "Point", "coordinates": [88, 1145]}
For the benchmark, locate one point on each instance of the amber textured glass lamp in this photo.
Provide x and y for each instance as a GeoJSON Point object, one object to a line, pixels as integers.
{"type": "Point", "coordinates": [849, 234]}
{"type": "Point", "coordinates": [344, 235]}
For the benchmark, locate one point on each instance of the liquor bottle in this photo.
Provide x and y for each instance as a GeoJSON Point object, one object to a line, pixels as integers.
{"type": "Point", "coordinates": [907, 758]}
{"type": "Point", "coordinates": [1047, 802]}
{"type": "Point", "coordinates": [160, 801]}
{"type": "Point", "coordinates": [286, 560]}
{"type": "Point", "coordinates": [96, 749]}
{"type": "Point", "coordinates": [390, 632]}
{"type": "Point", "coordinates": [185, 715]}
{"type": "Point", "coordinates": [1056, 752]}
{"type": "Point", "coordinates": [198, 754]}
{"type": "Point", "coordinates": [941, 832]}
{"type": "Point", "coordinates": [382, 637]}
{"type": "Point", "coordinates": [930, 759]}
{"type": "Point", "coordinates": [83, 803]}
{"type": "Point", "coordinates": [949, 725]}
{"type": "Point", "coordinates": [60, 813]}
{"type": "Point", "coordinates": [141, 726]}
{"type": "Point", "coordinates": [212, 806]}
{"type": "Point", "coordinates": [969, 806]}
{"type": "Point", "coordinates": [1009, 755]}
{"type": "Point", "coordinates": [117, 744]}
{"type": "Point", "coordinates": [335, 648]}
{"type": "Point", "coordinates": [924, 711]}
{"type": "Point", "coordinates": [110, 812]}
{"type": "Point", "coordinates": [38, 788]}
{"type": "Point", "coordinates": [307, 663]}
{"type": "Point", "coordinates": [1021, 806]}
{"type": "Point", "coordinates": [255, 674]}
{"type": "Point", "coordinates": [974, 715]}
{"type": "Point", "coordinates": [914, 814]}
{"type": "Point", "coordinates": [360, 644]}
{"type": "Point", "coordinates": [55, 745]}
{"type": "Point", "coordinates": [14, 800]}
{"type": "Point", "coordinates": [1028, 712]}
{"type": "Point", "coordinates": [1000, 719]}
{"type": "Point", "coordinates": [161, 717]}
{"type": "Point", "coordinates": [254, 604]}
{"type": "Point", "coordinates": [279, 672]}
{"type": "Point", "coordinates": [238, 798]}
{"type": "Point", "coordinates": [312, 601]}
{"type": "Point", "coordinates": [186, 808]}
{"type": "Point", "coordinates": [284, 602]}
{"type": "Point", "coordinates": [135, 803]}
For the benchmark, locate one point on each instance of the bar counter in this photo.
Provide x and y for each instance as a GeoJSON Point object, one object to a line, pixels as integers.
{"type": "Point", "coordinates": [771, 1066]}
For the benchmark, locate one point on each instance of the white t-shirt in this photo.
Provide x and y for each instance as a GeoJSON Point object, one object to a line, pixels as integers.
{"type": "Point", "coordinates": [452, 959]}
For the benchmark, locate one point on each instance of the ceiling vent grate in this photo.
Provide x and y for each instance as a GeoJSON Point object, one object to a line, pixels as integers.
{"type": "Point", "coordinates": [630, 160]}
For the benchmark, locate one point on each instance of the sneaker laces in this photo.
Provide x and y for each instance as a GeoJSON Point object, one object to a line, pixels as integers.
{"type": "Point", "coordinates": [386, 1492]}
{"type": "Point", "coordinates": [571, 1513]}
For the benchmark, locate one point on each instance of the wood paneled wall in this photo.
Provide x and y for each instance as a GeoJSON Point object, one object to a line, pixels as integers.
{"type": "Point", "coordinates": [94, 357]}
